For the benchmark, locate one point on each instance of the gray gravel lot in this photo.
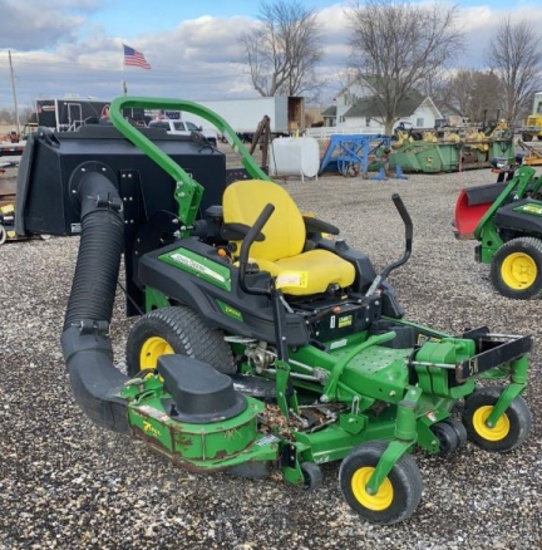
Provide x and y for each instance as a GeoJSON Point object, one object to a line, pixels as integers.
{"type": "Point", "coordinates": [66, 484]}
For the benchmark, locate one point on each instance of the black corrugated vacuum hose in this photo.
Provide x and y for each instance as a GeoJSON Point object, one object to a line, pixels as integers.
{"type": "Point", "coordinates": [95, 381]}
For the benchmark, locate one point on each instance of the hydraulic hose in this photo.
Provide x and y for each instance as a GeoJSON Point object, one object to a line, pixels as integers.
{"type": "Point", "coordinates": [96, 383]}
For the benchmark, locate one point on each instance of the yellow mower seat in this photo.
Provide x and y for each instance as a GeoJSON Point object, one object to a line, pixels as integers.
{"type": "Point", "coordinates": [281, 253]}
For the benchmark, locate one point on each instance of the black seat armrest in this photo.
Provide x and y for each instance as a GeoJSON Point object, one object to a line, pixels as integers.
{"type": "Point", "coordinates": [237, 232]}
{"type": "Point", "coordinates": [314, 225]}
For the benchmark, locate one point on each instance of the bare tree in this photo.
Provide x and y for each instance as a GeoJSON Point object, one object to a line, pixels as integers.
{"type": "Point", "coordinates": [28, 114]}
{"type": "Point", "coordinates": [282, 53]}
{"type": "Point", "coordinates": [398, 44]}
{"type": "Point", "coordinates": [476, 94]}
{"type": "Point", "coordinates": [515, 54]}
{"type": "Point", "coordinates": [7, 116]}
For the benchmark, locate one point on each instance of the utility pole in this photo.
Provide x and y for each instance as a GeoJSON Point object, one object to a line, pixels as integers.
{"type": "Point", "coordinates": [17, 121]}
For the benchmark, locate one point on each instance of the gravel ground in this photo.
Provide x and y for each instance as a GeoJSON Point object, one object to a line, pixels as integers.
{"type": "Point", "coordinates": [66, 484]}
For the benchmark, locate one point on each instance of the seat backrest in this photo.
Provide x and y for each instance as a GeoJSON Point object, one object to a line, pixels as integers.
{"type": "Point", "coordinates": [285, 234]}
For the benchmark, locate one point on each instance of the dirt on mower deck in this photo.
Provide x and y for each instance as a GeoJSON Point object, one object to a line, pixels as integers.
{"type": "Point", "coordinates": [66, 484]}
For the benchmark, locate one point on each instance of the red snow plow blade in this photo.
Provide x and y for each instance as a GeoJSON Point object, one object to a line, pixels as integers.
{"type": "Point", "coordinates": [471, 205]}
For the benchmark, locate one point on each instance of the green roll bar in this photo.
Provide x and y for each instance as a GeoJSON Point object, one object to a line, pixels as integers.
{"type": "Point", "coordinates": [188, 192]}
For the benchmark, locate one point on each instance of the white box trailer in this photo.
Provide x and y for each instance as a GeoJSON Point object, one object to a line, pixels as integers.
{"type": "Point", "coordinates": [287, 114]}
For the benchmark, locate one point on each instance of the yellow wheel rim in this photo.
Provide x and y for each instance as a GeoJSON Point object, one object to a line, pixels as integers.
{"type": "Point", "coordinates": [151, 350]}
{"type": "Point", "coordinates": [519, 271]}
{"type": "Point", "coordinates": [383, 498]}
{"type": "Point", "coordinates": [498, 432]}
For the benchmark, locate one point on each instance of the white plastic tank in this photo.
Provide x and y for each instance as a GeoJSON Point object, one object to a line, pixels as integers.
{"type": "Point", "coordinates": [294, 156]}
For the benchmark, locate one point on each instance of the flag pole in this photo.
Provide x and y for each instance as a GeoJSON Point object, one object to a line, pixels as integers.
{"type": "Point", "coordinates": [124, 83]}
{"type": "Point", "coordinates": [17, 120]}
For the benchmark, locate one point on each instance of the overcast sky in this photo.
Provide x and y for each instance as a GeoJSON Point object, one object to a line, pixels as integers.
{"type": "Point", "coordinates": [62, 47]}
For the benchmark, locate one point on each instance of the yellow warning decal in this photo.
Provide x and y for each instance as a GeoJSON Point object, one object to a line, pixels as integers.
{"type": "Point", "coordinates": [345, 321]}
{"type": "Point", "coordinates": [293, 278]}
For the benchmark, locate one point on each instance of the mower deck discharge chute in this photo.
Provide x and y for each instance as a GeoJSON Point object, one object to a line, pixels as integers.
{"type": "Point", "coordinates": [262, 344]}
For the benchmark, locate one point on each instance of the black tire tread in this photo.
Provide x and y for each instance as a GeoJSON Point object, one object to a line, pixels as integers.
{"type": "Point", "coordinates": [313, 476]}
{"type": "Point", "coordinates": [459, 428]}
{"type": "Point", "coordinates": [448, 437]}
{"type": "Point", "coordinates": [194, 338]}
{"type": "Point", "coordinates": [406, 469]}
{"type": "Point", "coordinates": [518, 413]}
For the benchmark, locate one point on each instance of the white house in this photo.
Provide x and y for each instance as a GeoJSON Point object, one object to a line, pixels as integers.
{"type": "Point", "coordinates": [358, 106]}
{"type": "Point", "coordinates": [414, 111]}
{"type": "Point", "coordinates": [330, 116]}
{"type": "Point", "coordinates": [357, 89]}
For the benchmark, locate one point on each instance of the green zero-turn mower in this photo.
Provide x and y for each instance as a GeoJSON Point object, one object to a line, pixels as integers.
{"type": "Point", "coordinates": [506, 218]}
{"type": "Point", "coordinates": [263, 344]}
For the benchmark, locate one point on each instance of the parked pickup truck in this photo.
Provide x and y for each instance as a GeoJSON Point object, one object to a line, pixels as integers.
{"type": "Point", "coordinates": [183, 128]}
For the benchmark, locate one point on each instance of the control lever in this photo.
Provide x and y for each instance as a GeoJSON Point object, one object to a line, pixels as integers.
{"type": "Point", "coordinates": [409, 231]}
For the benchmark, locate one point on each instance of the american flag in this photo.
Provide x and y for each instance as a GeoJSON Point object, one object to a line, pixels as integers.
{"type": "Point", "coordinates": [134, 58]}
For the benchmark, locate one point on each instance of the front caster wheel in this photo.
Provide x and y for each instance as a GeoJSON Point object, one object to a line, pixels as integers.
{"type": "Point", "coordinates": [397, 497]}
{"type": "Point", "coordinates": [459, 428]}
{"type": "Point", "coordinates": [448, 437]}
{"type": "Point", "coordinates": [510, 431]}
{"type": "Point", "coordinates": [312, 475]}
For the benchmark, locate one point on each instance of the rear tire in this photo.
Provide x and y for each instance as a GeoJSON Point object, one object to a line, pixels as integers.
{"type": "Point", "coordinates": [178, 330]}
{"type": "Point", "coordinates": [3, 235]}
{"type": "Point", "coordinates": [516, 268]}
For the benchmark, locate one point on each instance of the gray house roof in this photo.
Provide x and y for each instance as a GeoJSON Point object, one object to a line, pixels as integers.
{"type": "Point", "coordinates": [373, 107]}
{"type": "Point", "coordinates": [330, 111]}
{"type": "Point", "coordinates": [447, 109]}
{"type": "Point", "coordinates": [368, 80]}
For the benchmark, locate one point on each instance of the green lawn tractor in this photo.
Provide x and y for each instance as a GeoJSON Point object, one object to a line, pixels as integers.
{"type": "Point", "coordinates": [262, 345]}
{"type": "Point", "coordinates": [506, 218]}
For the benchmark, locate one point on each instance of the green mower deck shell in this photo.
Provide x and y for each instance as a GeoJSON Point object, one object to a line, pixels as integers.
{"type": "Point", "coordinates": [209, 446]}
